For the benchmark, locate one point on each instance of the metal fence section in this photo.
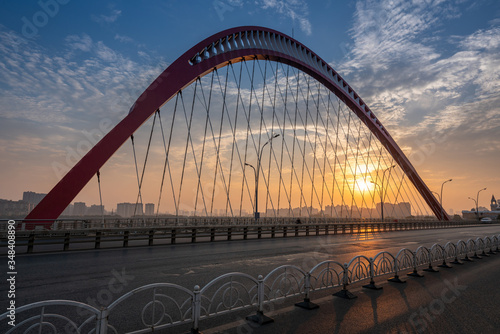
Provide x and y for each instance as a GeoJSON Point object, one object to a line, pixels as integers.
{"type": "Point", "coordinates": [71, 235]}
{"type": "Point", "coordinates": [159, 306]}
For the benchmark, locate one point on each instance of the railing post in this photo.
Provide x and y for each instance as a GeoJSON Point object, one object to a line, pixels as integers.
{"type": "Point", "coordinates": [456, 260]}
{"type": "Point", "coordinates": [172, 236]}
{"type": "Point", "coordinates": [372, 285]}
{"type": "Point", "coordinates": [344, 293]}
{"type": "Point", "coordinates": [97, 240]}
{"type": "Point", "coordinates": [125, 238]}
{"type": "Point", "coordinates": [273, 231]}
{"type": "Point", "coordinates": [444, 264]}
{"type": "Point", "coordinates": [284, 231]}
{"type": "Point", "coordinates": [245, 233]}
{"type": "Point", "coordinates": [430, 269]}
{"type": "Point", "coordinates": [259, 232]}
{"type": "Point", "coordinates": [31, 243]}
{"type": "Point", "coordinates": [317, 229]}
{"type": "Point", "coordinates": [151, 237]}
{"type": "Point", "coordinates": [229, 232]}
{"type": "Point", "coordinates": [326, 230]}
{"type": "Point", "coordinates": [212, 234]}
{"type": "Point", "coordinates": [66, 241]}
{"type": "Point", "coordinates": [352, 228]}
{"type": "Point", "coordinates": [196, 307]}
{"type": "Point", "coordinates": [296, 231]}
{"type": "Point", "coordinates": [260, 318]}
{"type": "Point", "coordinates": [343, 229]}
{"type": "Point", "coordinates": [415, 273]}
{"type": "Point", "coordinates": [307, 304]}
{"type": "Point", "coordinates": [193, 235]}
{"type": "Point", "coordinates": [475, 256]}
{"type": "Point", "coordinates": [396, 278]}
{"type": "Point", "coordinates": [307, 230]}
{"type": "Point", "coordinates": [102, 321]}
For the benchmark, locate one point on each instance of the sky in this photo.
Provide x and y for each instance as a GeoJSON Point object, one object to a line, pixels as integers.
{"type": "Point", "coordinates": [430, 70]}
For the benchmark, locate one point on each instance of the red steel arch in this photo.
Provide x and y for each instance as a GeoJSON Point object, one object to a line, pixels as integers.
{"type": "Point", "coordinates": [228, 46]}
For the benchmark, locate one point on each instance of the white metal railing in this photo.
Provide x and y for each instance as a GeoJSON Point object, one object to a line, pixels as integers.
{"type": "Point", "coordinates": [164, 305]}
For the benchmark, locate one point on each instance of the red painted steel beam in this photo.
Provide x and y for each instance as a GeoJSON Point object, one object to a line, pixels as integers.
{"type": "Point", "coordinates": [182, 73]}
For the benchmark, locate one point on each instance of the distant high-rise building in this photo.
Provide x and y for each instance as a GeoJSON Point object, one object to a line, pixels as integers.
{"type": "Point", "coordinates": [400, 210]}
{"type": "Point", "coordinates": [12, 209]}
{"type": "Point", "coordinates": [129, 209]}
{"type": "Point", "coordinates": [79, 209]}
{"type": "Point", "coordinates": [68, 211]}
{"type": "Point", "coordinates": [32, 198]}
{"type": "Point", "coordinates": [95, 210]}
{"type": "Point", "coordinates": [150, 209]}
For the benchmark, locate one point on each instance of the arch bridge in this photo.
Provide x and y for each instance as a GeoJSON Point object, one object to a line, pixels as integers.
{"type": "Point", "coordinates": [253, 122]}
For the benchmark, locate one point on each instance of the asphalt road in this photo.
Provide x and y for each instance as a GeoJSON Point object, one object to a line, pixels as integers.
{"type": "Point", "coordinates": [84, 275]}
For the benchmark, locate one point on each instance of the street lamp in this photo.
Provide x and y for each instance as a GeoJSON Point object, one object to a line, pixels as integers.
{"type": "Point", "coordinates": [435, 193]}
{"type": "Point", "coordinates": [382, 193]}
{"type": "Point", "coordinates": [441, 198]}
{"type": "Point", "coordinates": [381, 200]}
{"type": "Point", "coordinates": [256, 173]}
{"type": "Point", "coordinates": [477, 200]}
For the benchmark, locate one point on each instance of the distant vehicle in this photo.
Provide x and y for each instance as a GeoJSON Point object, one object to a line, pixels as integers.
{"type": "Point", "coordinates": [486, 220]}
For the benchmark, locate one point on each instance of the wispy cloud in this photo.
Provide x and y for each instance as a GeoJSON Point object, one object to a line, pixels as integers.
{"type": "Point", "coordinates": [296, 10]}
{"type": "Point", "coordinates": [123, 39]}
{"type": "Point", "coordinates": [112, 17]}
{"type": "Point", "coordinates": [395, 66]}
{"type": "Point", "coordinates": [73, 89]}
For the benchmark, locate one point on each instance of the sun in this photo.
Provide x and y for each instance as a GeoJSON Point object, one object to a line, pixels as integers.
{"type": "Point", "coordinates": [363, 185]}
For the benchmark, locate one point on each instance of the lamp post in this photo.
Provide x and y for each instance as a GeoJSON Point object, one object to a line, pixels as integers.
{"type": "Point", "coordinates": [441, 198]}
{"type": "Point", "coordinates": [381, 201]}
{"type": "Point", "coordinates": [256, 173]}
{"type": "Point", "coordinates": [477, 201]}
{"type": "Point", "coordinates": [382, 193]}
{"type": "Point", "coordinates": [435, 193]}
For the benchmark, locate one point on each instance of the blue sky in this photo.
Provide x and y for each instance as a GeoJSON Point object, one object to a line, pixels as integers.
{"type": "Point", "coordinates": [429, 69]}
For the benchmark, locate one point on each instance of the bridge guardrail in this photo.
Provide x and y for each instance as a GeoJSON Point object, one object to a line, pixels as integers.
{"type": "Point", "coordinates": [165, 305]}
{"type": "Point", "coordinates": [29, 241]}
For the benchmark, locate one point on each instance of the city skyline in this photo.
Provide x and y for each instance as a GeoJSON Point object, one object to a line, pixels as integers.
{"type": "Point", "coordinates": [63, 88]}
